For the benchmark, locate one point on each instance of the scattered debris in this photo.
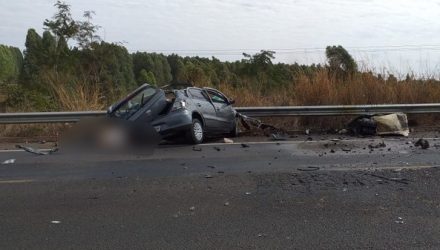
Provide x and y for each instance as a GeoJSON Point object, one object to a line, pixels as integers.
{"type": "Point", "coordinates": [391, 124]}
{"type": "Point", "coordinates": [346, 149]}
{"type": "Point", "coordinates": [36, 151]}
{"type": "Point", "coordinates": [424, 144]}
{"type": "Point", "coordinates": [210, 166]}
{"type": "Point", "coordinates": [307, 132]}
{"type": "Point", "coordinates": [275, 133]}
{"type": "Point", "coordinates": [332, 151]}
{"type": "Point", "coordinates": [192, 208]}
{"type": "Point", "coordinates": [380, 145]}
{"type": "Point", "coordinates": [208, 176]}
{"type": "Point", "coordinates": [309, 168]}
{"type": "Point", "coordinates": [227, 140]}
{"type": "Point", "coordinates": [343, 131]}
{"type": "Point", "coordinates": [248, 193]}
{"type": "Point", "coordinates": [279, 137]}
{"type": "Point", "coordinates": [55, 222]}
{"type": "Point", "coordinates": [398, 180]}
{"type": "Point", "coordinates": [226, 203]}
{"type": "Point", "coordinates": [10, 161]}
{"type": "Point", "coordinates": [196, 149]}
{"type": "Point", "coordinates": [217, 148]}
{"type": "Point", "coordinates": [399, 220]}
{"type": "Point", "coordinates": [244, 145]}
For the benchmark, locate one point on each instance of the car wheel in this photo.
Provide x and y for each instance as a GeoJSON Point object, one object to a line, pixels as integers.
{"type": "Point", "coordinates": [195, 135]}
{"type": "Point", "coordinates": [235, 131]}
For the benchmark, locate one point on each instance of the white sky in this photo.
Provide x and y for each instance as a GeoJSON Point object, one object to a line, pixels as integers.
{"type": "Point", "coordinates": [236, 26]}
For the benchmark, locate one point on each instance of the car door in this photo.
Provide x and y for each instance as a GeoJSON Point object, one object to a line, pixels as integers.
{"type": "Point", "coordinates": [225, 115]}
{"type": "Point", "coordinates": [204, 106]}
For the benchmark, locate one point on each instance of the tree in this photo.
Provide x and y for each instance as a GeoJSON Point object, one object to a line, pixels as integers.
{"type": "Point", "coordinates": [177, 68]}
{"type": "Point", "coordinates": [33, 56]}
{"type": "Point", "coordinates": [11, 63]}
{"type": "Point", "coordinates": [146, 77]}
{"type": "Point", "coordinates": [87, 31]}
{"type": "Point", "coordinates": [259, 62]}
{"type": "Point", "coordinates": [62, 24]}
{"type": "Point", "coordinates": [340, 61]}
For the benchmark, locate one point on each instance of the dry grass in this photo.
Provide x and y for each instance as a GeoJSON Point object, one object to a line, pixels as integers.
{"type": "Point", "coordinates": [74, 95]}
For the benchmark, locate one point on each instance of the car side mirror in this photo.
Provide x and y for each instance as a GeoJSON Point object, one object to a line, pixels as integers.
{"type": "Point", "coordinates": [231, 101]}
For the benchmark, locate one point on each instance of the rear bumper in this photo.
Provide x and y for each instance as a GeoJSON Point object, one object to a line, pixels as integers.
{"type": "Point", "coordinates": [173, 124]}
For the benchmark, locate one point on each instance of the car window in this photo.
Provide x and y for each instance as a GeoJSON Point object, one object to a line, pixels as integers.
{"type": "Point", "coordinates": [197, 94]}
{"type": "Point", "coordinates": [133, 104]}
{"type": "Point", "coordinates": [215, 97]}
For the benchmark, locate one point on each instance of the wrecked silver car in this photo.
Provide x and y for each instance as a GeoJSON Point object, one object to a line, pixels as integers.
{"type": "Point", "coordinates": [194, 113]}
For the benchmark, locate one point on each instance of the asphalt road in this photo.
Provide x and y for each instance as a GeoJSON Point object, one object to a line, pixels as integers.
{"type": "Point", "coordinates": [324, 194]}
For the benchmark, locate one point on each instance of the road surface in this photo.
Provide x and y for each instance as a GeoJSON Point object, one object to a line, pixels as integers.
{"type": "Point", "coordinates": [326, 194]}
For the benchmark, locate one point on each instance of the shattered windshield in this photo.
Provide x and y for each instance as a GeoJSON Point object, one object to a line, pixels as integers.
{"type": "Point", "coordinates": [132, 104]}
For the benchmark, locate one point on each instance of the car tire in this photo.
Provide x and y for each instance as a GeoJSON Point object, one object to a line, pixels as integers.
{"type": "Point", "coordinates": [235, 131]}
{"type": "Point", "coordinates": [195, 134]}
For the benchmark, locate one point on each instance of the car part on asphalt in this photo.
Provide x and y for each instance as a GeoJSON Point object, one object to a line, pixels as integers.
{"type": "Point", "coordinates": [36, 151]}
{"type": "Point", "coordinates": [424, 144]}
{"type": "Point", "coordinates": [10, 161]}
{"type": "Point", "coordinates": [389, 124]}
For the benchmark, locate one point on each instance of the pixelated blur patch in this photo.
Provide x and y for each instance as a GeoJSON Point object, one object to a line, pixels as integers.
{"type": "Point", "coordinates": [110, 135]}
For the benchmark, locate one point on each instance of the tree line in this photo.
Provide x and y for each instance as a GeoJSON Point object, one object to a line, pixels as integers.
{"type": "Point", "coordinates": [69, 53]}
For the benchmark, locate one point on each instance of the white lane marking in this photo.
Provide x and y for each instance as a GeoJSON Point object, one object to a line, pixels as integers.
{"type": "Point", "coordinates": [15, 181]}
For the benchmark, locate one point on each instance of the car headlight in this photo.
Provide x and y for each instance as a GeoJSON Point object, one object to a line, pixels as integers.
{"type": "Point", "coordinates": [178, 105]}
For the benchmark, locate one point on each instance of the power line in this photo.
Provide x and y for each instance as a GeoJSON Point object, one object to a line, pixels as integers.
{"type": "Point", "coordinates": [378, 48]}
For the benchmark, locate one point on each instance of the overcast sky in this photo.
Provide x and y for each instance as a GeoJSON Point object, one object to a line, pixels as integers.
{"type": "Point", "coordinates": [397, 34]}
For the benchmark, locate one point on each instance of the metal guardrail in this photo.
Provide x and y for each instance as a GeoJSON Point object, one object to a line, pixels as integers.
{"type": "Point", "coordinates": [280, 111]}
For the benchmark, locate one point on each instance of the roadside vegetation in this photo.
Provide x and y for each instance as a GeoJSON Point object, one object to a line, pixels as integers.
{"type": "Point", "coordinates": [69, 67]}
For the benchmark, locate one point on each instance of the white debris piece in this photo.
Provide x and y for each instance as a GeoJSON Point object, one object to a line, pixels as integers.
{"type": "Point", "coordinates": [10, 161]}
{"type": "Point", "coordinates": [227, 140]}
{"type": "Point", "coordinates": [392, 124]}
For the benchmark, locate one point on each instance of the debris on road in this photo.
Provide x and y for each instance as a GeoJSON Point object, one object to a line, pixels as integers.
{"type": "Point", "coordinates": [217, 148]}
{"type": "Point", "coordinates": [380, 145]}
{"type": "Point", "coordinates": [10, 161]}
{"type": "Point", "coordinates": [208, 176]}
{"type": "Point", "coordinates": [424, 144]}
{"type": "Point", "coordinates": [196, 149]}
{"type": "Point", "coordinates": [36, 151]}
{"type": "Point", "coordinates": [227, 140]}
{"type": "Point", "coordinates": [226, 203]}
{"type": "Point", "coordinates": [307, 132]}
{"type": "Point", "coordinates": [55, 222]}
{"type": "Point", "coordinates": [278, 137]}
{"type": "Point", "coordinates": [346, 149]}
{"type": "Point", "coordinates": [275, 133]}
{"type": "Point", "coordinates": [399, 220]}
{"type": "Point", "coordinates": [391, 124]}
{"type": "Point", "coordinates": [192, 208]}
{"type": "Point", "coordinates": [244, 145]}
{"type": "Point", "coordinates": [309, 168]}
